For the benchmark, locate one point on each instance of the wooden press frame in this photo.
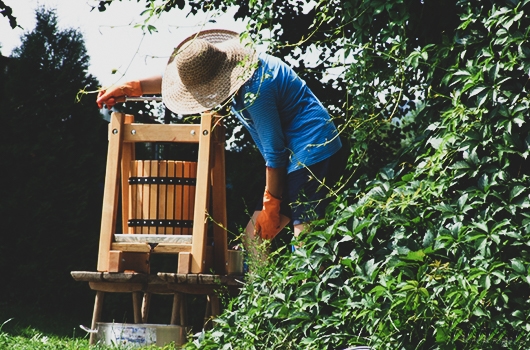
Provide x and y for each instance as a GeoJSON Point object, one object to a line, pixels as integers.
{"type": "Point", "coordinates": [209, 135]}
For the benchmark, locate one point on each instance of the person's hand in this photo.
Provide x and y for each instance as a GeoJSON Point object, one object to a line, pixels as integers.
{"type": "Point", "coordinates": [114, 94]}
{"type": "Point", "coordinates": [268, 221]}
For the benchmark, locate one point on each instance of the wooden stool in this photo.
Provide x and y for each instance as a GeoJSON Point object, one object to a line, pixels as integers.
{"type": "Point", "coordinates": [165, 210]}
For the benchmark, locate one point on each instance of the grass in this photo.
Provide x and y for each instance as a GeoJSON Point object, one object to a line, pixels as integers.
{"type": "Point", "coordinates": [26, 328]}
{"type": "Point", "coordinates": [32, 339]}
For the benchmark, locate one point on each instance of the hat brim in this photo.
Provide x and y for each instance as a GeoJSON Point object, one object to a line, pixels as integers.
{"type": "Point", "coordinates": [235, 71]}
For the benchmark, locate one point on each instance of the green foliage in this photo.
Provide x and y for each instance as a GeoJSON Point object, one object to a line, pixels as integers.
{"type": "Point", "coordinates": [426, 246]}
{"type": "Point", "coordinates": [430, 251]}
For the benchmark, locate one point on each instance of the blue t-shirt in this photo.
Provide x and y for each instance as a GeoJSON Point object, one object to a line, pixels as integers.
{"type": "Point", "coordinates": [289, 125]}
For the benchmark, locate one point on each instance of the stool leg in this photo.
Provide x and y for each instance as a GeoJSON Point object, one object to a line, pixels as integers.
{"type": "Point", "coordinates": [137, 308]}
{"type": "Point", "coordinates": [96, 316]}
{"type": "Point", "coordinates": [146, 303]}
{"type": "Point", "coordinates": [175, 315]}
{"type": "Point", "coordinates": [213, 309]}
{"type": "Point", "coordinates": [207, 314]}
{"type": "Point", "coordinates": [216, 305]}
{"type": "Point", "coordinates": [183, 310]}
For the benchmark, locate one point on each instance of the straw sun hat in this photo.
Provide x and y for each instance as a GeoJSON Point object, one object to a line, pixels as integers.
{"type": "Point", "coordinates": [205, 70]}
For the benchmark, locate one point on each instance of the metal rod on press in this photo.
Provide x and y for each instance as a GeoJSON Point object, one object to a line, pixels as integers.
{"type": "Point", "coordinates": [142, 98]}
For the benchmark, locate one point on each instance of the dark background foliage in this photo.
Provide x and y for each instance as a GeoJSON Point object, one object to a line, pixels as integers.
{"type": "Point", "coordinates": [52, 170]}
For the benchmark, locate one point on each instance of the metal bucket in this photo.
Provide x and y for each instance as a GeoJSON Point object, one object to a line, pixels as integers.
{"type": "Point", "coordinates": [133, 335]}
{"type": "Point", "coordinates": [235, 262]}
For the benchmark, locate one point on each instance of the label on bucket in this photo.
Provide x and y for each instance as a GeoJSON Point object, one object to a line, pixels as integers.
{"type": "Point", "coordinates": [136, 335]}
{"type": "Point", "coordinates": [127, 335]}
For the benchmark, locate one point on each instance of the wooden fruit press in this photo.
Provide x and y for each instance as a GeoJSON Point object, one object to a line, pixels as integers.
{"type": "Point", "coordinates": [167, 207]}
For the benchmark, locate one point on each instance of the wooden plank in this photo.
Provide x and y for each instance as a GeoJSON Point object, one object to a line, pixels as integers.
{"type": "Point", "coordinates": [112, 287]}
{"type": "Point", "coordinates": [120, 261]}
{"type": "Point", "coordinates": [186, 133]}
{"type": "Point", "coordinates": [179, 172]}
{"type": "Point", "coordinates": [133, 200]}
{"type": "Point", "coordinates": [207, 279]}
{"type": "Point", "coordinates": [193, 192]}
{"type": "Point", "coordinates": [86, 276]}
{"type": "Point", "coordinates": [145, 248]}
{"type": "Point", "coordinates": [162, 172]}
{"type": "Point", "coordinates": [125, 277]}
{"type": "Point", "coordinates": [125, 187]}
{"type": "Point", "coordinates": [192, 278]}
{"type": "Point", "coordinates": [197, 289]}
{"type": "Point", "coordinates": [184, 263]}
{"type": "Point", "coordinates": [146, 192]}
{"type": "Point", "coordinates": [139, 195]}
{"type": "Point", "coordinates": [153, 196]}
{"type": "Point", "coordinates": [110, 195]}
{"type": "Point", "coordinates": [126, 157]}
{"type": "Point", "coordinates": [181, 278]}
{"type": "Point", "coordinates": [115, 261]}
{"type": "Point", "coordinates": [170, 199]}
{"type": "Point", "coordinates": [137, 262]}
{"type": "Point", "coordinates": [219, 215]}
{"type": "Point", "coordinates": [158, 289]}
{"type": "Point", "coordinates": [215, 280]}
{"type": "Point", "coordinates": [198, 250]}
{"type": "Point", "coordinates": [187, 214]}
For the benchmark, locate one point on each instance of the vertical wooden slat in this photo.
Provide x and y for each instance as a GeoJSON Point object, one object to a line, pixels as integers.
{"type": "Point", "coordinates": [162, 172]}
{"type": "Point", "coordinates": [179, 172]}
{"type": "Point", "coordinates": [153, 196]}
{"type": "Point", "coordinates": [126, 157]}
{"type": "Point", "coordinates": [139, 194]}
{"type": "Point", "coordinates": [186, 197]}
{"type": "Point", "coordinates": [198, 246]}
{"type": "Point", "coordinates": [170, 197]}
{"type": "Point", "coordinates": [133, 197]}
{"type": "Point", "coordinates": [192, 192]}
{"type": "Point", "coordinates": [110, 194]}
{"type": "Point", "coordinates": [145, 199]}
{"type": "Point", "coordinates": [219, 202]}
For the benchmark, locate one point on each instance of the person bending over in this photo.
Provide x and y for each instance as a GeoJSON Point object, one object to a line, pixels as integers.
{"type": "Point", "coordinates": [291, 128]}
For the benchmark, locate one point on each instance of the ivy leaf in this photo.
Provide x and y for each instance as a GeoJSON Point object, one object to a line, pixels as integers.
{"type": "Point", "coordinates": [518, 266]}
{"type": "Point", "coordinates": [483, 183]}
{"type": "Point", "coordinates": [516, 191]}
{"type": "Point", "coordinates": [482, 226]}
{"type": "Point", "coordinates": [416, 256]}
{"type": "Point", "coordinates": [462, 201]}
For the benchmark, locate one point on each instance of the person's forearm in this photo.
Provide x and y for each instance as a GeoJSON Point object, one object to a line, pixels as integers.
{"type": "Point", "coordinates": [275, 180]}
{"type": "Point", "coordinates": [152, 85]}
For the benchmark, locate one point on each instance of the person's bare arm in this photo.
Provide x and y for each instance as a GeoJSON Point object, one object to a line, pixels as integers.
{"type": "Point", "coordinates": [152, 85]}
{"type": "Point", "coordinates": [275, 181]}
{"type": "Point", "coordinates": [116, 93]}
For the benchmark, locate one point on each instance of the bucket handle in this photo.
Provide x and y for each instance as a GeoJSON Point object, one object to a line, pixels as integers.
{"type": "Point", "coordinates": [88, 330]}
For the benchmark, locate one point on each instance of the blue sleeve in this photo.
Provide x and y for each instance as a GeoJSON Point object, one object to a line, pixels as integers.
{"type": "Point", "coordinates": [267, 130]}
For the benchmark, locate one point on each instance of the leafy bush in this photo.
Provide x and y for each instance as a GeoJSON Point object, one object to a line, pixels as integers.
{"type": "Point", "coordinates": [432, 251]}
